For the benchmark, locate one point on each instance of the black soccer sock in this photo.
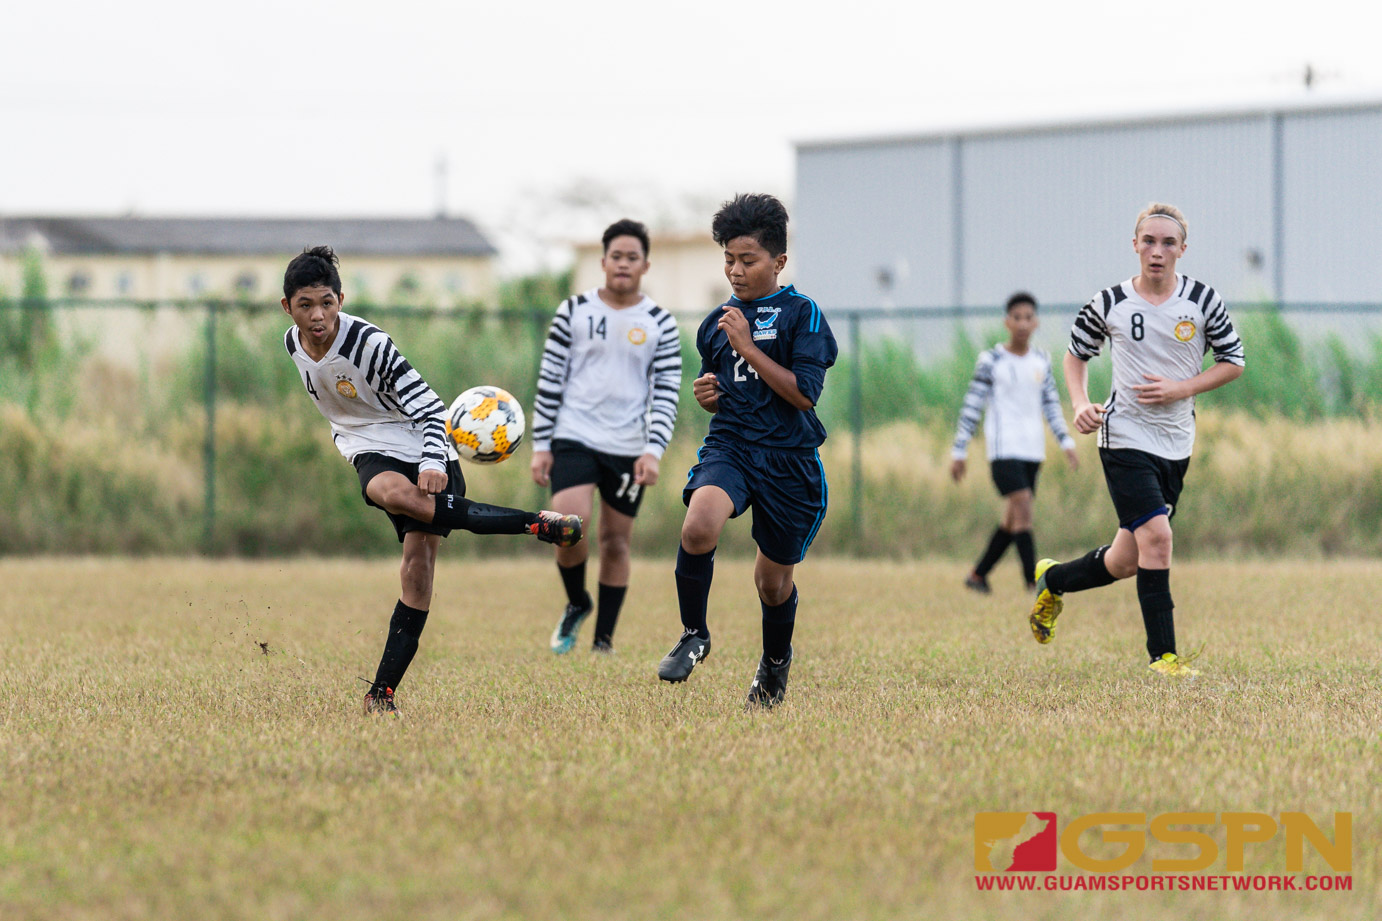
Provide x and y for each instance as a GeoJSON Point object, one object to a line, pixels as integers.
{"type": "Point", "coordinates": [607, 614]}
{"type": "Point", "coordinates": [404, 629]}
{"type": "Point", "coordinates": [459, 513]}
{"type": "Point", "coordinates": [694, 572]}
{"type": "Point", "coordinates": [778, 621]}
{"type": "Point", "coordinates": [1026, 552]}
{"type": "Point", "coordinates": [1088, 571]}
{"type": "Point", "coordinates": [573, 580]}
{"type": "Point", "coordinates": [1158, 611]}
{"type": "Point", "coordinates": [998, 544]}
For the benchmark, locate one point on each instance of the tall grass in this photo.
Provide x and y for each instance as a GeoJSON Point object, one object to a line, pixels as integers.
{"type": "Point", "coordinates": [106, 456]}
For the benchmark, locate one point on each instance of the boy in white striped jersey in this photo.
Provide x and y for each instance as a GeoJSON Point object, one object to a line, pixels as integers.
{"type": "Point", "coordinates": [1159, 325]}
{"type": "Point", "coordinates": [388, 423]}
{"type": "Point", "coordinates": [606, 403]}
{"type": "Point", "coordinates": [1013, 382]}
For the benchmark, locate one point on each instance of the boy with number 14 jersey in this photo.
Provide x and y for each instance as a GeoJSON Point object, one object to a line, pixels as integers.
{"type": "Point", "coordinates": [606, 404]}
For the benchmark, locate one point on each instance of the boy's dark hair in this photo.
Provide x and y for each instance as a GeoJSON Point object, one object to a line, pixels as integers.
{"type": "Point", "coordinates": [626, 227]}
{"type": "Point", "coordinates": [1021, 297]}
{"type": "Point", "coordinates": [312, 267]}
{"type": "Point", "coordinates": [762, 217]}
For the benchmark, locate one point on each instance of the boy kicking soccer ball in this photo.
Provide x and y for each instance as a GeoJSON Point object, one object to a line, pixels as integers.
{"type": "Point", "coordinates": [764, 355]}
{"type": "Point", "coordinates": [388, 424]}
{"type": "Point", "coordinates": [1160, 325]}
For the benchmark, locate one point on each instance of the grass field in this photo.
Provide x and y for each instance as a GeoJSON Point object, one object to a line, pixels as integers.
{"type": "Point", "coordinates": [157, 761]}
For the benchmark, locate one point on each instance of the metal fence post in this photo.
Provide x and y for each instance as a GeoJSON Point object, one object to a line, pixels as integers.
{"type": "Point", "coordinates": [856, 415]}
{"type": "Point", "coordinates": [209, 453]}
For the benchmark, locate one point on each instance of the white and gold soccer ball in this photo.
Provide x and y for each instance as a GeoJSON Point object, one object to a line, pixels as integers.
{"type": "Point", "coordinates": [485, 424]}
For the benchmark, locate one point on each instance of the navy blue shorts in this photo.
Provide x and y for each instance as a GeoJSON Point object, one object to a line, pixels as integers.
{"type": "Point", "coordinates": [786, 489]}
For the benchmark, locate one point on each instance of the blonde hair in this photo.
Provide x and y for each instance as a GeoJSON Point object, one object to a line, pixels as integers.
{"type": "Point", "coordinates": [1159, 209]}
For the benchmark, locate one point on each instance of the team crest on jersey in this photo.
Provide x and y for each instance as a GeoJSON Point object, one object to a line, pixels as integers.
{"type": "Point", "coordinates": [638, 335]}
{"type": "Point", "coordinates": [1185, 329]}
{"type": "Point", "coordinates": [345, 388]}
{"type": "Point", "coordinates": [765, 324]}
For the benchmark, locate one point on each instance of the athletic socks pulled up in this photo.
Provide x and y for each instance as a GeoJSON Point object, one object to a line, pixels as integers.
{"type": "Point", "coordinates": [998, 545]}
{"type": "Point", "coordinates": [1158, 611]}
{"type": "Point", "coordinates": [1026, 552]}
{"type": "Point", "coordinates": [607, 610]}
{"type": "Point", "coordinates": [1078, 575]}
{"type": "Point", "coordinates": [405, 627]}
{"type": "Point", "coordinates": [461, 514]}
{"type": "Point", "coordinates": [694, 573]}
{"type": "Point", "coordinates": [573, 580]}
{"type": "Point", "coordinates": [778, 621]}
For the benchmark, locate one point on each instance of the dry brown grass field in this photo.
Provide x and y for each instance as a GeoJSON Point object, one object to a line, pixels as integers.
{"type": "Point", "coordinates": [182, 739]}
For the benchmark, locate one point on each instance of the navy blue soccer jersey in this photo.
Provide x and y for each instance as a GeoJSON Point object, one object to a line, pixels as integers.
{"type": "Point", "coordinates": [792, 331]}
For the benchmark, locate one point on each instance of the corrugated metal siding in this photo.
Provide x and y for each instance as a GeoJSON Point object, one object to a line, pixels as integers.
{"type": "Point", "coordinates": [858, 212]}
{"type": "Point", "coordinates": [1333, 206]}
{"type": "Point", "coordinates": [1052, 210]}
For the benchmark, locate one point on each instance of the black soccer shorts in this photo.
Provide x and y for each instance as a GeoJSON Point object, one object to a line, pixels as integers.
{"type": "Point", "coordinates": [370, 464]}
{"type": "Point", "coordinates": [574, 464]}
{"type": "Point", "coordinates": [1142, 485]}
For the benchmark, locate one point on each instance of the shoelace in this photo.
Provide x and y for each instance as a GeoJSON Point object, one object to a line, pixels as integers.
{"type": "Point", "coordinates": [374, 687]}
{"type": "Point", "coordinates": [1191, 656]}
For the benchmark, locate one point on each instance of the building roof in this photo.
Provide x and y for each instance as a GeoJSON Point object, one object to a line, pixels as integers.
{"type": "Point", "coordinates": [1307, 105]}
{"type": "Point", "coordinates": [441, 236]}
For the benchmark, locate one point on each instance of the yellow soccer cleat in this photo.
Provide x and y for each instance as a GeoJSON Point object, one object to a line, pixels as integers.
{"type": "Point", "coordinates": [1173, 666]}
{"type": "Point", "coordinates": [1047, 607]}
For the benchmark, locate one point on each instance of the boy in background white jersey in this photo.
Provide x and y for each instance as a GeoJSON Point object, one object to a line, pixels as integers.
{"type": "Point", "coordinates": [1013, 382]}
{"type": "Point", "coordinates": [1159, 325]}
{"type": "Point", "coordinates": [606, 403]}
{"type": "Point", "coordinates": [387, 422]}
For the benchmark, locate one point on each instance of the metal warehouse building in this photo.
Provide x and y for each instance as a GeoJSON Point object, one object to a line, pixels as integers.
{"type": "Point", "coordinates": [1284, 204]}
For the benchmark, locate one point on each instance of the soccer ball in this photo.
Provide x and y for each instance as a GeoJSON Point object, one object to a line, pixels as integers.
{"type": "Point", "coordinates": [485, 424]}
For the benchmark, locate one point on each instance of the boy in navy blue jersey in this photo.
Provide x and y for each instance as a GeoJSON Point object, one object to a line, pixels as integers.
{"type": "Point", "coordinates": [764, 355]}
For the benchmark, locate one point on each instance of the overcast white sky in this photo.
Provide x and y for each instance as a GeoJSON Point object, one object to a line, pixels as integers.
{"type": "Point", "coordinates": [277, 107]}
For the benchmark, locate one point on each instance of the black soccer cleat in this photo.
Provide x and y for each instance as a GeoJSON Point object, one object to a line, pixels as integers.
{"type": "Point", "coordinates": [690, 651]}
{"type": "Point", "coordinates": [770, 683]}
{"type": "Point", "coordinates": [602, 646]}
{"type": "Point", "coordinates": [556, 528]}
{"type": "Point", "coordinates": [379, 702]}
{"type": "Point", "coordinates": [977, 583]}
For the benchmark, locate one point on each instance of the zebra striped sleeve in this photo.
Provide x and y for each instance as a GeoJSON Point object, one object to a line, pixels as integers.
{"type": "Point", "coordinates": [1055, 416]}
{"type": "Point", "coordinates": [1219, 333]}
{"type": "Point", "coordinates": [551, 377]}
{"type": "Point", "coordinates": [666, 386]}
{"type": "Point", "coordinates": [399, 383]}
{"type": "Point", "coordinates": [1088, 333]}
{"type": "Point", "coordinates": [977, 397]}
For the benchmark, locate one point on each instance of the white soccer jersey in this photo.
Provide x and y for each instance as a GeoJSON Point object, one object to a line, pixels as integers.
{"type": "Point", "coordinates": [1018, 391]}
{"type": "Point", "coordinates": [1168, 340]}
{"type": "Point", "coordinates": [372, 397]}
{"type": "Point", "coordinates": [610, 378]}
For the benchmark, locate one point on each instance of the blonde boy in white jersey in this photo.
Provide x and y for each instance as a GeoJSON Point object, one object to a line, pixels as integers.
{"type": "Point", "coordinates": [1012, 389]}
{"type": "Point", "coordinates": [1160, 324]}
{"type": "Point", "coordinates": [606, 404]}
